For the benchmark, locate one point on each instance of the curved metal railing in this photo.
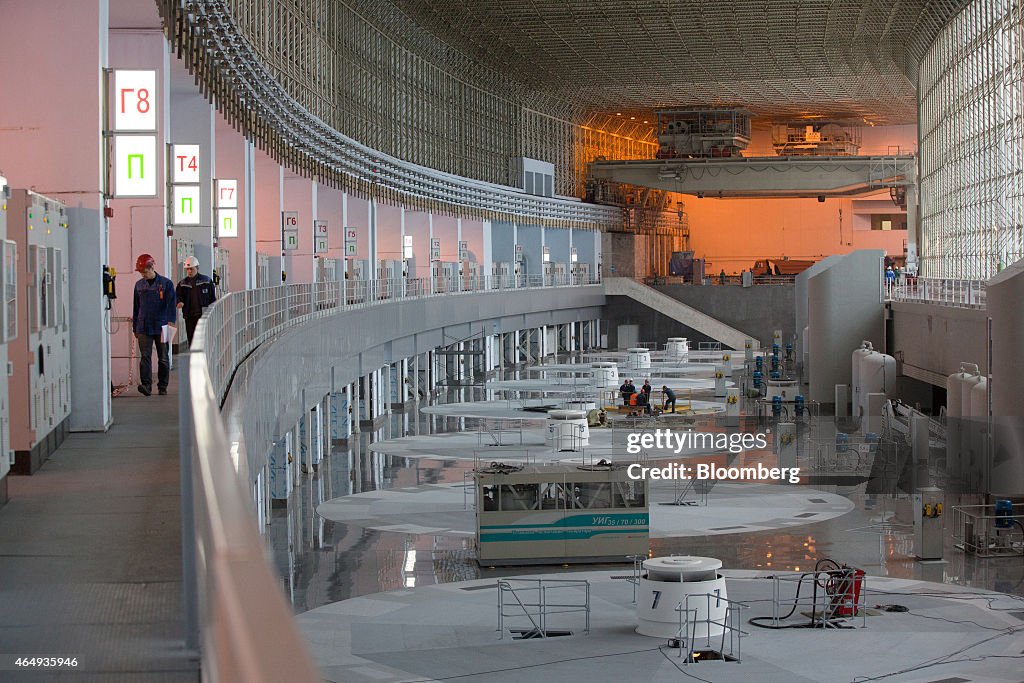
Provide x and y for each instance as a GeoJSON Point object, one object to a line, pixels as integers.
{"type": "Point", "coordinates": [236, 614]}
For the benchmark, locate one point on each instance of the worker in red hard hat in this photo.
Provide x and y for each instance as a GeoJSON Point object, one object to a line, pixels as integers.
{"type": "Point", "coordinates": [153, 308]}
{"type": "Point", "coordinates": [195, 292]}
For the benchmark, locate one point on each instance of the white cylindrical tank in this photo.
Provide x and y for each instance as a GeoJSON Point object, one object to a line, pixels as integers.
{"type": "Point", "coordinates": [955, 400]}
{"type": "Point", "coordinates": [677, 348]}
{"type": "Point", "coordinates": [974, 405]}
{"type": "Point", "coordinates": [877, 376]}
{"type": "Point", "coordinates": [668, 582]}
{"type": "Point", "coordinates": [978, 396]}
{"type": "Point", "coordinates": [604, 375]}
{"type": "Point", "coordinates": [865, 349]}
{"type": "Point", "coordinates": [638, 359]}
{"type": "Point", "coordinates": [967, 389]}
{"type": "Point", "coordinates": [568, 430]}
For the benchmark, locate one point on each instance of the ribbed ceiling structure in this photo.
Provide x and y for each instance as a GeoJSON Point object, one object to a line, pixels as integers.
{"type": "Point", "coordinates": [779, 58]}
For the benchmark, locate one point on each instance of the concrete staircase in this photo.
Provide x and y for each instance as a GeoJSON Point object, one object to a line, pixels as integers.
{"type": "Point", "coordinates": [687, 315]}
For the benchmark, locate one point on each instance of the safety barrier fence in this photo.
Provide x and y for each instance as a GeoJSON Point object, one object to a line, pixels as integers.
{"type": "Point", "coordinates": [530, 599]}
{"type": "Point", "coordinates": [836, 596]}
{"type": "Point", "coordinates": [943, 292]}
{"type": "Point", "coordinates": [690, 621]}
{"type": "Point", "coordinates": [500, 432]}
{"type": "Point", "coordinates": [236, 616]}
{"type": "Point", "coordinates": [989, 530]}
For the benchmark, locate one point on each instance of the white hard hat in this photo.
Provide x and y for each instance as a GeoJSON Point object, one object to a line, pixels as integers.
{"type": "Point", "coordinates": [191, 262]}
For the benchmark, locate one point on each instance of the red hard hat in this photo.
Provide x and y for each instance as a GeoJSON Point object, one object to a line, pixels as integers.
{"type": "Point", "coordinates": [144, 261]}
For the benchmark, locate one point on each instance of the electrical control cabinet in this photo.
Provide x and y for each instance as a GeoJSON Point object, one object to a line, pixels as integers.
{"type": "Point", "coordinates": [262, 270]}
{"type": "Point", "coordinates": [358, 269]}
{"type": "Point", "coordinates": [581, 273]}
{"type": "Point", "coordinates": [8, 327]}
{"type": "Point", "coordinates": [180, 250]}
{"type": "Point", "coordinates": [222, 268]}
{"type": "Point", "coordinates": [40, 353]}
{"type": "Point", "coordinates": [328, 270]}
{"type": "Point", "coordinates": [390, 272]}
{"type": "Point", "coordinates": [560, 273]}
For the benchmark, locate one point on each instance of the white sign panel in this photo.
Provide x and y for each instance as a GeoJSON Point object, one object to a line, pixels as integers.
{"type": "Point", "coordinates": [320, 237]}
{"type": "Point", "coordinates": [463, 251]}
{"type": "Point", "coordinates": [289, 230]}
{"type": "Point", "coordinates": [185, 205]}
{"type": "Point", "coordinates": [547, 254]}
{"type": "Point", "coordinates": [407, 247]}
{"type": "Point", "coordinates": [135, 166]}
{"type": "Point", "coordinates": [435, 248]}
{"type": "Point", "coordinates": [351, 235]}
{"type": "Point", "coordinates": [135, 101]}
{"type": "Point", "coordinates": [519, 252]}
{"type": "Point", "coordinates": [226, 194]}
{"type": "Point", "coordinates": [185, 164]}
{"type": "Point", "coordinates": [227, 222]}
{"type": "Point", "coordinates": [573, 255]}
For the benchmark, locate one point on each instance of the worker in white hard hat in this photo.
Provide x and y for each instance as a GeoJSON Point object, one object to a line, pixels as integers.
{"type": "Point", "coordinates": [195, 292]}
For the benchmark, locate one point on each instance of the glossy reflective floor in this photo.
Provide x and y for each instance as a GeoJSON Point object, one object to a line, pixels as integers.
{"type": "Point", "coordinates": [322, 562]}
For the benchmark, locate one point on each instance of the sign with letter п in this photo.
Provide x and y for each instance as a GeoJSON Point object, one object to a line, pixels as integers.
{"type": "Point", "coordinates": [226, 200]}
{"type": "Point", "coordinates": [134, 127]}
{"type": "Point", "coordinates": [289, 230]}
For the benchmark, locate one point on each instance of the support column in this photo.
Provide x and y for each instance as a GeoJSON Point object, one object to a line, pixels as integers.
{"type": "Point", "coordinates": [316, 440]}
{"type": "Point", "coordinates": [280, 472]}
{"type": "Point", "coordinates": [416, 377]}
{"type": "Point", "coordinates": [249, 212]}
{"type": "Point", "coordinates": [296, 452]}
{"type": "Point", "coordinates": [488, 255]}
{"type": "Point", "coordinates": [373, 237]}
{"type": "Point", "coordinates": [305, 440]}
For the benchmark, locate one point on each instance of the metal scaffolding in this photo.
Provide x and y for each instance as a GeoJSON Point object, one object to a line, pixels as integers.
{"type": "Point", "coordinates": [972, 143]}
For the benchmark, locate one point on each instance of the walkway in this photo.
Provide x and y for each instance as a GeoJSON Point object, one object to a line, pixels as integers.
{"type": "Point", "coordinates": [90, 553]}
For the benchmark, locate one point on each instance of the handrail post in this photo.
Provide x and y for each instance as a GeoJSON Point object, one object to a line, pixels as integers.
{"type": "Point", "coordinates": [190, 577]}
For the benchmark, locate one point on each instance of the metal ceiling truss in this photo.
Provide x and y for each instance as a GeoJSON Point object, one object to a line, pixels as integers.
{"type": "Point", "coordinates": [232, 74]}
{"type": "Point", "coordinates": [779, 58]}
{"type": "Point", "coordinates": [442, 95]}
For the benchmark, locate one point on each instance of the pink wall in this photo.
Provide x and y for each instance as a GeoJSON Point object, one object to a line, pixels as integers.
{"type": "Point", "coordinates": [329, 204]}
{"type": "Point", "coordinates": [418, 227]}
{"type": "Point", "coordinates": [389, 232]}
{"type": "Point", "coordinates": [733, 233]}
{"type": "Point", "coordinates": [298, 196]}
{"type": "Point", "coordinates": [268, 205]}
{"type": "Point", "coordinates": [445, 229]}
{"type": "Point", "coordinates": [359, 218]}
{"type": "Point", "coordinates": [473, 234]}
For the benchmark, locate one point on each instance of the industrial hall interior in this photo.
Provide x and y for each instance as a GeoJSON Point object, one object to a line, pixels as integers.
{"type": "Point", "coordinates": [364, 342]}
